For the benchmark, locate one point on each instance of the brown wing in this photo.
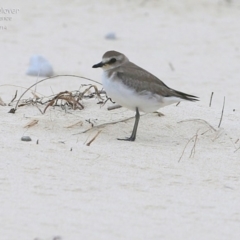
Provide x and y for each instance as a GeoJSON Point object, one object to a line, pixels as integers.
{"type": "Point", "coordinates": [141, 80]}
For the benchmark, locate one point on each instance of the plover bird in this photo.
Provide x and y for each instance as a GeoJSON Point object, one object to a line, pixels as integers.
{"type": "Point", "coordinates": [135, 88]}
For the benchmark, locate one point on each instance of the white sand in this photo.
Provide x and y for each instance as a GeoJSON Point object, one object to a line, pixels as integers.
{"type": "Point", "coordinates": [113, 189]}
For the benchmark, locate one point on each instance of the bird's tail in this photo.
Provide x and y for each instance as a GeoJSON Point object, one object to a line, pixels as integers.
{"type": "Point", "coordinates": [186, 96]}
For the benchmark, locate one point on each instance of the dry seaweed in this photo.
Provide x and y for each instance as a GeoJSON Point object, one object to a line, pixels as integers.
{"type": "Point", "coordinates": [20, 102]}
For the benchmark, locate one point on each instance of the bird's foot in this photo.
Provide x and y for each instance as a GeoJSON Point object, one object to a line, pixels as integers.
{"type": "Point", "coordinates": [130, 139]}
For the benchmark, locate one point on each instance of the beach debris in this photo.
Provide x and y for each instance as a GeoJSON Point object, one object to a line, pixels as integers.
{"type": "Point", "coordinates": [222, 113]}
{"type": "Point", "coordinates": [89, 143]}
{"type": "Point", "coordinates": [113, 107]}
{"type": "Point", "coordinates": [26, 139]}
{"type": "Point", "coordinates": [79, 123]}
{"type": "Point", "coordinates": [15, 96]}
{"type": "Point", "coordinates": [110, 36]}
{"type": "Point", "coordinates": [2, 103]}
{"type": "Point", "coordinates": [31, 124]}
{"type": "Point", "coordinates": [210, 103]}
{"type": "Point", "coordinates": [159, 114]}
{"type": "Point", "coordinates": [37, 100]}
{"type": "Point", "coordinates": [57, 238]}
{"type": "Point", "coordinates": [171, 66]}
{"type": "Point", "coordinates": [68, 98]}
{"type": "Point", "coordinates": [194, 139]}
{"type": "Point", "coordinates": [39, 66]}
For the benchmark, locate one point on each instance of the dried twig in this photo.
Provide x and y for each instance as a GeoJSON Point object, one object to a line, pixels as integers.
{"type": "Point", "coordinates": [237, 149]}
{"type": "Point", "coordinates": [219, 133]}
{"type": "Point", "coordinates": [67, 99]}
{"type": "Point", "coordinates": [75, 124]}
{"type": "Point", "coordinates": [35, 95]}
{"type": "Point", "coordinates": [105, 124]}
{"type": "Point", "coordinates": [210, 103]}
{"type": "Point", "coordinates": [108, 99]}
{"type": "Point", "coordinates": [31, 124]}
{"type": "Point", "coordinates": [222, 113]}
{"type": "Point", "coordinates": [206, 131]}
{"type": "Point", "coordinates": [177, 104]}
{"type": "Point", "coordinates": [194, 145]}
{"type": "Point", "coordinates": [116, 106]}
{"type": "Point", "coordinates": [89, 121]}
{"type": "Point", "coordinates": [159, 114]}
{"type": "Point", "coordinates": [51, 103]}
{"type": "Point", "coordinates": [186, 147]}
{"type": "Point", "coordinates": [2, 103]}
{"type": "Point", "coordinates": [13, 110]}
{"type": "Point", "coordinates": [199, 120]}
{"type": "Point", "coordinates": [38, 108]}
{"type": "Point", "coordinates": [171, 66]}
{"type": "Point", "coordinates": [96, 91]}
{"type": "Point", "coordinates": [13, 98]}
{"type": "Point", "coordinates": [89, 143]}
{"type": "Point", "coordinates": [195, 137]}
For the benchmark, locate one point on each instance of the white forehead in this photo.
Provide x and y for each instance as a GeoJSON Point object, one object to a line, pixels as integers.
{"type": "Point", "coordinates": [118, 58]}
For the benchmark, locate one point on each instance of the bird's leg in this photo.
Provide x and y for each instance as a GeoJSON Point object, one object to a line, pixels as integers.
{"type": "Point", "coordinates": [134, 132]}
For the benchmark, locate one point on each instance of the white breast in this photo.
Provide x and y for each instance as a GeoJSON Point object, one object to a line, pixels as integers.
{"type": "Point", "coordinates": [129, 98]}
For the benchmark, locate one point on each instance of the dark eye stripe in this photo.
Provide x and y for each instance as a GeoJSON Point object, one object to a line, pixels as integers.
{"type": "Point", "coordinates": [112, 60]}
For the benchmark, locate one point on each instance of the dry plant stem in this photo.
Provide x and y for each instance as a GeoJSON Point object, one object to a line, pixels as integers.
{"type": "Point", "coordinates": [96, 90]}
{"type": "Point", "coordinates": [237, 149]}
{"type": "Point", "coordinates": [108, 99]}
{"type": "Point", "coordinates": [75, 124]}
{"type": "Point", "coordinates": [194, 145]}
{"type": "Point", "coordinates": [199, 120]}
{"type": "Point", "coordinates": [219, 133]}
{"type": "Point", "coordinates": [38, 108]}
{"type": "Point", "coordinates": [68, 97]}
{"type": "Point", "coordinates": [193, 148]}
{"type": "Point", "coordinates": [222, 113]}
{"type": "Point", "coordinates": [31, 124]}
{"type": "Point", "coordinates": [13, 98]}
{"type": "Point", "coordinates": [113, 107]}
{"type": "Point", "coordinates": [210, 103]}
{"type": "Point", "coordinates": [89, 143]}
{"type": "Point", "coordinates": [159, 114]}
{"type": "Point", "coordinates": [15, 109]}
{"type": "Point", "coordinates": [205, 131]}
{"type": "Point", "coordinates": [2, 103]}
{"type": "Point", "coordinates": [35, 95]}
{"type": "Point", "coordinates": [171, 66]}
{"type": "Point", "coordinates": [105, 124]}
{"type": "Point", "coordinates": [186, 147]}
{"type": "Point", "coordinates": [49, 104]}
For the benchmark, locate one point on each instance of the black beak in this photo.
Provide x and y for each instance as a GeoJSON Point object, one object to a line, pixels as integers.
{"type": "Point", "coordinates": [98, 65]}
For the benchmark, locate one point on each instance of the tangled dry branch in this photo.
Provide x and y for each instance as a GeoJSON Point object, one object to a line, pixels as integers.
{"type": "Point", "coordinates": [66, 99]}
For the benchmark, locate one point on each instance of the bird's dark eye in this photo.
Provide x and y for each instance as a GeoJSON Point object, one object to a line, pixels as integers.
{"type": "Point", "coordinates": [112, 60]}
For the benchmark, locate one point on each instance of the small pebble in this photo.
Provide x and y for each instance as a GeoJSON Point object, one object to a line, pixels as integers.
{"type": "Point", "coordinates": [39, 66]}
{"type": "Point", "coordinates": [110, 36]}
{"type": "Point", "coordinates": [57, 238]}
{"type": "Point", "coordinates": [26, 138]}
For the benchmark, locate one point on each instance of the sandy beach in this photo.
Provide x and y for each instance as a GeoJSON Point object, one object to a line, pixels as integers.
{"type": "Point", "coordinates": [180, 179]}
